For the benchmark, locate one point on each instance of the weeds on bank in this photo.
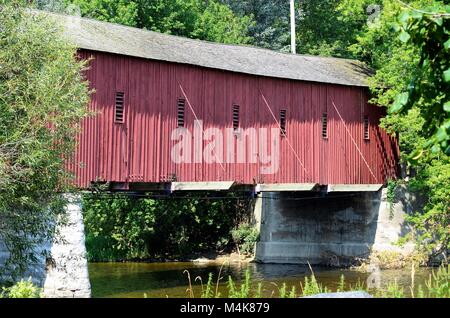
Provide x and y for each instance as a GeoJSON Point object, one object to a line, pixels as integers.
{"type": "Point", "coordinates": [310, 286]}
{"type": "Point", "coordinates": [22, 289]}
{"type": "Point", "coordinates": [391, 260]}
{"type": "Point", "coordinates": [437, 286]}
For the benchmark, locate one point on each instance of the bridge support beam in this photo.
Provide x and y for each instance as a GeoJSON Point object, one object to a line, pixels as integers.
{"type": "Point", "coordinates": [328, 228]}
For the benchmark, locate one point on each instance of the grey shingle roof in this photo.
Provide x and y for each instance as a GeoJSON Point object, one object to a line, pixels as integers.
{"type": "Point", "coordinates": [113, 38]}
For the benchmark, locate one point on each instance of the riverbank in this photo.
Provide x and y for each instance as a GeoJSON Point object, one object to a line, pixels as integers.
{"type": "Point", "coordinates": [213, 258]}
{"type": "Point", "coordinates": [224, 259]}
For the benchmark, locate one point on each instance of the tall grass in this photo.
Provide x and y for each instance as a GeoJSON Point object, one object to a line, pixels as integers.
{"type": "Point", "coordinates": [437, 286]}
{"type": "Point", "coordinates": [246, 289]}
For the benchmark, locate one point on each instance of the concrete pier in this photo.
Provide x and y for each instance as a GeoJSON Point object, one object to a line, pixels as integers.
{"type": "Point", "coordinates": [330, 229]}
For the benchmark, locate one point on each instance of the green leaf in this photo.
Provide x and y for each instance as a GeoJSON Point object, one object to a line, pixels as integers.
{"type": "Point", "coordinates": [447, 44]}
{"type": "Point", "coordinates": [417, 15]}
{"type": "Point", "coordinates": [441, 135]}
{"type": "Point", "coordinates": [446, 124]}
{"type": "Point", "coordinates": [404, 16]}
{"type": "Point", "coordinates": [396, 27]}
{"type": "Point", "coordinates": [404, 36]}
{"type": "Point", "coordinates": [447, 75]}
{"type": "Point", "coordinates": [435, 149]}
{"type": "Point", "coordinates": [447, 106]}
{"type": "Point", "coordinates": [400, 101]}
{"type": "Point", "coordinates": [438, 21]}
{"type": "Point", "coordinates": [447, 151]}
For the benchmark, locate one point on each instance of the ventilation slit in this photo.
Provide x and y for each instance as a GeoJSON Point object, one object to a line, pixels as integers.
{"type": "Point", "coordinates": [180, 118]}
{"type": "Point", "coordinates": [235, 117]}
{"type": "Point", "coordinates": [366, 127]}
{"type": "Point", "coordinates": [325, 125]}
{"type": "Point", "coordinates": [283, 122]}
{"type": "Point", "coordinates": [119, 111]}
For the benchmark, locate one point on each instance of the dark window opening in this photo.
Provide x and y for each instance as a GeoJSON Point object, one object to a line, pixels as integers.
{"type": "Point", "coordinates": [119, 111]}
{"type": "Point", "coordinates": [180, 118]}
{"type": "Point", "coordinates": [325, 125]}
{"type": "Point", "coordinates": [283, 122]}
{"type": "Point", "coordinates": [235, 117]}
{"type": "Point", "coordinates": [366, 127]}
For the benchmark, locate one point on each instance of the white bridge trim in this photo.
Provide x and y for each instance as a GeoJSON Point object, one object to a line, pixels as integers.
{"type": "Point", "coordinates": [280, 187]}
{"type": "Point", "coordinates": [354, 187]}
{"type": "Point", "coordinates": [201, 186]}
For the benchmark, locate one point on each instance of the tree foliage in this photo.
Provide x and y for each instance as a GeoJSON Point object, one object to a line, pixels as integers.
{"type": "Point", "coordinates": [432, 224]}
{"type": "Point", "coordinates": [428, 31]}
{"type": "Point", "coordinates": [206, 20]}
{"type": "Point", "coordinates": [120, 227]}
{"type": "Point", "coordinates": [428, 92]}
{"type": "Point", "coordinates": [245, 236]}
{"type": "Point", "coordinates": [271, 27]}
{"type": "Point", "coordinates": [407, 50]}
{"type": "Point", "coordinates": [329, 27]}
{"type": "Point", "coordinates": [218, 23]}
{"type": "Point", "coordinates": [325, 27]}
{"type": "Point", "coordinates": [43, 97]}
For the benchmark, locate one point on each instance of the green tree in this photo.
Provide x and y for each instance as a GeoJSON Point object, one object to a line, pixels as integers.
{"type": "Point", "coordinates": [43, 97]}
{"type": "Point", "coordinates": [428, 30]}
{"type": "Point", "coordinates": [428, 92]}
{"type": "Point", "coordinates": [271, 27]}
{"type": "Point", "coordinates": [398, 46]}
{"type": "Point", "coordinates": [116, 11]}
{"type": "Point", "coordinates": [175, 17]}
{"type": "Point", "coordinates": [320, 31]}
{"type": "Point", "coordinates": [206, 20]}
{"type": "Point", "coordinates": [218, 23]}
{"type": "Point", "coordinates": [121, 227]}
{"type": "Point", "coordinates": [324, 27]}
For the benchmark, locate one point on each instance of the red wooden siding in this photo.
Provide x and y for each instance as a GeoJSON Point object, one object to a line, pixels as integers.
{"type": "Point", "coordinates": [139, 149]}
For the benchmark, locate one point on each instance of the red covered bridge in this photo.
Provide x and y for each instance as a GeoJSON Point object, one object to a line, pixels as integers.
{"type": "Point", "coordinates": [151, 86]}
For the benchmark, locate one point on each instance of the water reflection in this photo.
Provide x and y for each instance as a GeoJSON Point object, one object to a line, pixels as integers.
{"type": "Point", "coordinates": [168, 279]}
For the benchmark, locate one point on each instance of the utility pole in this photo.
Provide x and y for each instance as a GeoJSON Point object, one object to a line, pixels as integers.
{"type": "Point", "coordinates": [292, 26]}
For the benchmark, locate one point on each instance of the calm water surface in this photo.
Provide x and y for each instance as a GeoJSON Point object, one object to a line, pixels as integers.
{"type": "Point", "coordinates": [168, 280]}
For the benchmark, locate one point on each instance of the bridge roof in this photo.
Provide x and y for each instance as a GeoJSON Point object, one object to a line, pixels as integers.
{"type": "Point", "coordinates": [113, 38]}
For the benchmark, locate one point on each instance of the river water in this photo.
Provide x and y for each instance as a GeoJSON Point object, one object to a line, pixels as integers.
{"type": "Point", "coordinates": [163, 280]}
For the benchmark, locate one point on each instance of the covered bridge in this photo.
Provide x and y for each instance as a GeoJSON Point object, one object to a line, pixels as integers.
{"type": "Point", "coordinates": [150, 87]}
{"type": "Point", "coordinates": [178, 114]}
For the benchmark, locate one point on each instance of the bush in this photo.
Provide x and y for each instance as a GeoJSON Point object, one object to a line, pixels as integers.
{"type": "Point", "coordinates": [120, 227]}
{"type": "Point", "coordinates": [392, 260]}
{"type": "Point", "coordinates": [102, 248]}
{"type": "Point", "coordinates": [245, 237]}
{"type": "Point", "coordinates": [22, 289]}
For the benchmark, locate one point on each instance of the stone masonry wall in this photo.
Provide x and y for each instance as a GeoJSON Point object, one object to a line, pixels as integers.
{"type": "Point", "coordinates": [65, 273]}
